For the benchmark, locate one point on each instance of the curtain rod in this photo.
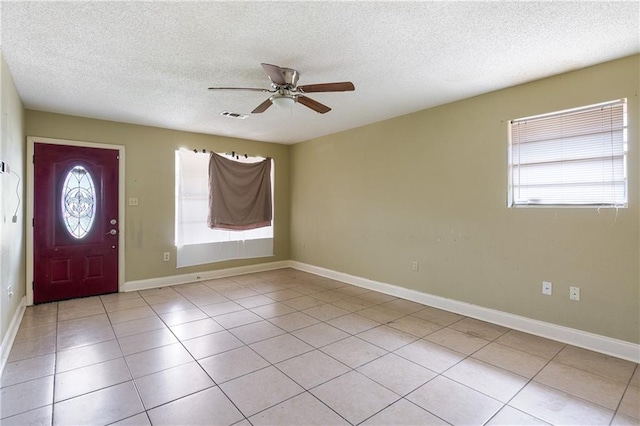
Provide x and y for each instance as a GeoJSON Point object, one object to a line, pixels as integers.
{"type": "Point", "coordinates": [233, 154]}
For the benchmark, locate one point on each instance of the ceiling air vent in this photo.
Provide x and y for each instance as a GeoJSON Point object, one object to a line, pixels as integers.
{"type": "Point", "coordinates": [233, 115]}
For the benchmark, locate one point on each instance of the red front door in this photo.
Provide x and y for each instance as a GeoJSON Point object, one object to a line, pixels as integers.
{"type": "Point", "coordinates": [75, 235]}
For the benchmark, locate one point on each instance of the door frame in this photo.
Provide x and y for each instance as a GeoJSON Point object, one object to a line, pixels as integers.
{"type": "Point", "coordinates": [31, 140]}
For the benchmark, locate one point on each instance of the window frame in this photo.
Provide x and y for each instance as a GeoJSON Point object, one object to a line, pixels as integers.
{"type": "Point", "coordinates": [513, 202]}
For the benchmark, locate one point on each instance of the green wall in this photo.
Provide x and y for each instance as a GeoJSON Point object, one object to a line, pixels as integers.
{"type": "Point", "coordinates": [150, 176]}
{"type": "Point", "coordinates": [432, 187]}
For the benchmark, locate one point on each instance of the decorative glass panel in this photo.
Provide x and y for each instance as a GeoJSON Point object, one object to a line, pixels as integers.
{"type": "Point", "coordinates": [78, 202]}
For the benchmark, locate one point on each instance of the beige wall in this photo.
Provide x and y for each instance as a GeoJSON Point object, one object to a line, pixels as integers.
{"type": "Point", "coordinates": [432, 187]}
{"type": "Point", "coordinates": [150, 177]}
{"type": "Point", "coordinates": [12, 235]}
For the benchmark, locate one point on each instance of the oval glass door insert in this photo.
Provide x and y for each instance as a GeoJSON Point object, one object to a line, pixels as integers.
{"type": "Point", "coordinates": [78, 202]}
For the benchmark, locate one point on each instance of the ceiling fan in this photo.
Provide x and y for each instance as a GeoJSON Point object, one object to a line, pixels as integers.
{"type": "Point", "coordinates": [285, 89]}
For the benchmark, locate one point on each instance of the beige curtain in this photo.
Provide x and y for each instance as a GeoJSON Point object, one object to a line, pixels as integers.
{"type": "Point", "coordinates": [239, 194]}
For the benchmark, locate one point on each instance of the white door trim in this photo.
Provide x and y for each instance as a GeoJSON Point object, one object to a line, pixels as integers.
{"type": "Point", "coordinates": [31, 140]}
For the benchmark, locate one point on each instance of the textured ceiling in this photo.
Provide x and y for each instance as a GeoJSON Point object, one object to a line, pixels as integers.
{"type": "Point", "coordinates": [151, 62]}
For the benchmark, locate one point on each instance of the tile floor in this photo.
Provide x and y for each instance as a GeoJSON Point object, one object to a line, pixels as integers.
{"type": "Point", "coordinates": [289, 348]}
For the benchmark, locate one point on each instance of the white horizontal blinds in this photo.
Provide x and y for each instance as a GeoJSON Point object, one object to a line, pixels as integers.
{"type": "Point", "coordinates": [572, 157]}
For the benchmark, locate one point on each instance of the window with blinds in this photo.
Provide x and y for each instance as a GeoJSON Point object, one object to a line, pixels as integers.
{"type": "Point", "coordinates": [574, 157]}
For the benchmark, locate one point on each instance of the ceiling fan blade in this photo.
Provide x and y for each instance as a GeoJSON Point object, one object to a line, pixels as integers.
{"type": "Point", "coordinates": [275, 74]}
{"type": "Point", "coordinates": [255, 89]}
{"type": "Point", "coordinates": [345, 86]}
{"type": "Point", "coordinates": [314, 105]}
{"type": "Point", "coordinates": [262, 107]}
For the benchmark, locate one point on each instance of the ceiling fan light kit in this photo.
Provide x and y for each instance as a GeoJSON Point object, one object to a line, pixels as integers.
{"type": "Point", "coordinates": [286, 92]}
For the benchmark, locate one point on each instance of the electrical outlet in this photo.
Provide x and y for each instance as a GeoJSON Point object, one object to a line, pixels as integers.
{"type": "Point", "coordinates": [415, 266]}
{"type": "Point", "coordinates": [574, 293]}
{"type": "Point", "coordinates": [547, 288]}
{"type": "Point", "coordinates": [167, 256]}
{"type": "Point", "coordinates": [133, 201]}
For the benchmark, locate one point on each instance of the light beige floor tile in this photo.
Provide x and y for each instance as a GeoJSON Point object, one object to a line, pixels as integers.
{"type": "Point", "coordinates": [273, 310]}
{"type": "Point", "coordinates": [171, 384]}
{"type": "Point", "coordinates": [32, 348]}
{"type": "Point", "coordinates": [622, 420]}
{"type": "Point", "coordinates": [147, 340]}
{"type": "Point", "coordinates": [26, 396]}
{"type": "Point", "coordinates": [604, 365]}
{"type": "Point", "coordinates": [65, 314]}
{"type": "Point", "coordinates": [354, 351]}
{"type": "Point", "coordinates": [101, 407]}
{"type": "Point", "coordinates": [454, 403]}
{"type": "Point", "coordinates": [113, 297]}
{"type": "Point", "coordinates": [557, 407]}
{"type": "Point", "coordinates": [138, 420]}
{"type": "Point", "coordinates": [128, 328]}
{"type": "Point", "coordinates": [438, 316]}
{"type": "Point", "coordinates": [352, 290]}
{"type": "Point", "coordinates": [221, 308]}
{"type": "Point", "coordinates": [492, 381]}
{"type": "Point", "coordinates": [122, 304]}
{"type": "Point", "coordinates": [28, 369]}
{"type": "Point", "coordinates": [191, 330]}
{"type": "Point", "coordinates": [84, 338]}
{"type": "Point", "coordinates": [481, 329]}
{"type": "Point", "coordinates": [250, 394]}
{"type": "Point", "coordinates": [45, 308]}
{"type": "Point", "coordinates": [582, 384]}
{"type": "Point", "coordinates": [350, 304]}
{"type": "Point", "coordinates": [387, 338]}
{"type": "Point", "coordinates": [211, 344]}
{"type": "Point", "coordinates": [397, 374]}
{"type": "Point", "coordinates": [35, 320]}
{"type": "Point", "coordinates": [309, 289]}
{"type": "Point", "coordinates": [303, 409]}
{"type": "Point", "coordinates": [205, 300]}
{"type": "Point", "coordinates": [329, 296]}
{"type": "Point", "coordinates": [376, 298]}
{"type": "Point", "coordinates": [83, 324]}
{"type": "Point", "coordinates": [381, 315]}
{"type": "Point", "coordinates": [354, 396]}
{"type": "Point", "coordinates": [635, 379]}
{"type": "Point", "coordinates": [87, 379]}
{"type": "Point", "coordinates": [176, 304]}
{"type": "Point", "coordinates": [38, 332]}
{"type": "Point", "coordinates": [231, 364]}
{"type": "Point", "coordinates": [404, 306]}
{"type": "Point", "coordinates": [630, 405]}
{"type": "Point", "coordinates": [304, 302]}
{"type": "Point", "coordinates": [326, 312]}
{"type": "Point", "coordinates": [353, 323]}
{"type": "Point", "coordinates": [521, 363]}
{"type": "Point", "coordinates": [282, 295]}
{"type": "Point", "coordinates": [415, 326]}
{"type": "Point", "coordinates": [39, 417]}
{"type": "Point", "coordinates": [239, 293]}
{"type": "Point", "coordinates": [403, 413]}
{"type": "Point", "coordinates": [319, 335]}
{"type": "Point", "coordinates": [539, 346]}
{"type": "Point", "coordinates": [85, 302]}
{"type": "Point", "coordinates": [254, 301]}
{"type": "Point", "coordinates": [131, 314]}
{"type": "Point", "coordinates": [87, 355]}
{"type": "Point", "coordinates": [143, 363]}
{"type": "Point", "coordinates": [429, 355]}
{"type": "Point", "coordinates": [312, 368]}
{"type": "Point", "coordinates": [236, 319]}
{"type": "Point", "coordinates": [281, 348]}
{"type": "Point", "coordinates": [509, 416]}
{"type": "Point", "coordinates": [182, 316]}
{"type": "Point", "coordinates": [457, 340]}
{"type": "Point", "coordinates": [208, 407]}
{"type": "Point", "coordinates": [294, 321]}
{"type": "Point", "coordinates": [256, 332]}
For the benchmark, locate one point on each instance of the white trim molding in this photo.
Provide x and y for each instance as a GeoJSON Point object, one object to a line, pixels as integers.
{"type": "Point", "coordinates": [202, 276]}
{"type": "Point", "coordinates": [583, 339]}
{"type": "Point", "coordinates": [10, 336]}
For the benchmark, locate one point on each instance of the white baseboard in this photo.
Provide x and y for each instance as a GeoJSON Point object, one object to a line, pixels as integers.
{"type": "Point", "coordinates": [12, 331]}
{"type": "Point", "coordinates": [583, 339]}
{"type": "Point", "coordinates": [201, 276]}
